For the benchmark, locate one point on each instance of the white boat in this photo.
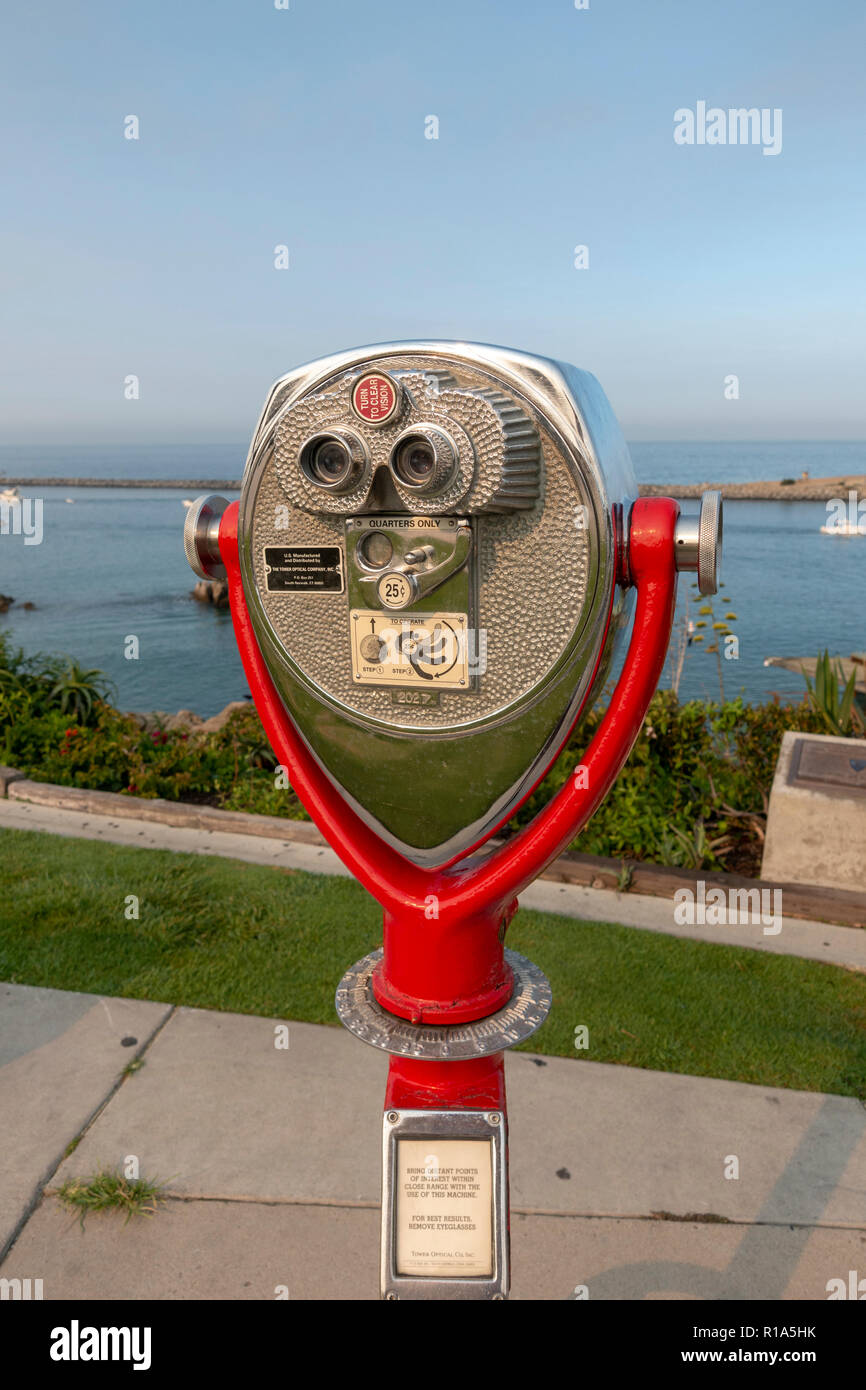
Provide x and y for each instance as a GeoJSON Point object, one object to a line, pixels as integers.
{"type": "Point", "coordinates": [845, 528]}
{"type": "Point", "coordinates": [187, 501]}
{"type": "Point", "coordinates": [9, 494]}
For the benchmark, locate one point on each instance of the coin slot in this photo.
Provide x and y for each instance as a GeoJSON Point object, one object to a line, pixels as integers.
{"type": "Point", "coordinates": [375, 550]}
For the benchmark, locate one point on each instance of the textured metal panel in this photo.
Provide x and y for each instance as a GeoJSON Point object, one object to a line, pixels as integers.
{"type": "Point", "coordinates": [543, 579]}
{"type": "Point", "coordinates": [497, 443]}
{"type": "Point", "coordinates": [533, 575]}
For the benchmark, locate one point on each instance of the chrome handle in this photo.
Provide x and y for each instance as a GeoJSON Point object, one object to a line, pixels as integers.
{"type": "Point", "coordinates": [698, 543]}
{"type": "Point", "coordinates": [201, 536]}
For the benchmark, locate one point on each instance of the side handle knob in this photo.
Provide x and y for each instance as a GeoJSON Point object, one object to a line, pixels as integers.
{"type": "Point", "coordinates": [698, 543]}
{"type": "Point", "coordinates": [201, 536]}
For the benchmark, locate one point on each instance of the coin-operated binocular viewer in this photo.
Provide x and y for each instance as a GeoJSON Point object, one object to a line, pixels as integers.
{"type": "Point", "coordinates": [436, 549]}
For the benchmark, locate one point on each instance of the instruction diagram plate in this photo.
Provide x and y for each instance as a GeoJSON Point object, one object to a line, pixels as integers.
{"type": "Point", "coordinates": [426, 651]}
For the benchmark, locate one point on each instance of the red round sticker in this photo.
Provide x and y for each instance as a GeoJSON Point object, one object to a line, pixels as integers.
{"type": "Point", "coordinates": [374, 398]}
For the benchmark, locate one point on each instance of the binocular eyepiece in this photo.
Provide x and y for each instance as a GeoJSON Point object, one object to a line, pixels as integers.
{"type": "Point", "coordinates": [423, 460]}
{"type": "Point", "coordinates": [414, 437]}
{"type": "Point", "coordinates": [333, 461]}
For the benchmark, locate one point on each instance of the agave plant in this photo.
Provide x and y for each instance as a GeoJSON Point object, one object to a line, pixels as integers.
{"type": "Point", "coordinates": [77, 689]}
{"type": "Point", "coordinates": [839, 712]}
{"type": "Point", "coordinates": [679, 849]}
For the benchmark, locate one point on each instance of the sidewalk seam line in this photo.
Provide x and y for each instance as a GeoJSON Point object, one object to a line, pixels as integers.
{"type": "Point", "coordinates": [370, 1205]}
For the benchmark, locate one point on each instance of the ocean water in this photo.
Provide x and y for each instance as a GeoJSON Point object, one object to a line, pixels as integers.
{"type": "Point", "coordinates": [111, 565]}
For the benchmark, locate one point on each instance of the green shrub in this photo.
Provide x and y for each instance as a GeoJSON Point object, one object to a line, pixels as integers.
{"type": "Point", "coordinates": [695, 788]}
{"type": "Point", "coordinates": [693, 792]}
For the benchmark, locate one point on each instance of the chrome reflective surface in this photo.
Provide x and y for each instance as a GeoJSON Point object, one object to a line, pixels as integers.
{"type": "Point", "coordinates": [201, 536]}
{"type": "Point", "coordinates": [523, 1015]}
{"type": "Point", "coordinates": [542, 468]}
{"type": "Point", "coordinates": [698, 542]}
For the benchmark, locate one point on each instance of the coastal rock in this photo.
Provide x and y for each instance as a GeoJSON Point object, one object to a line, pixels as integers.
{"type": "Point", "coordinates": [161, 719]}
{"type": "Point", "coordinates": [184, 719]}
{"type": "Point", "coordinates": [6, 602]}
{"type": "Point", "coordinates": [154, 719]}
{"type": "Point", "coordinates": [212, 591]}
{"type": "Point", "coordinates": [218, 721]}
{"type": "Point", "coordinates": [187, 720]}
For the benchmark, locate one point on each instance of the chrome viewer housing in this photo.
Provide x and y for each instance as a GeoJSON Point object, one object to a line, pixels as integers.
{"type": "Point", "coordinates": [434, 589]}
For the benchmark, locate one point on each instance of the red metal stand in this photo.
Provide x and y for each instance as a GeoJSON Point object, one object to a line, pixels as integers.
{"type": "Point", "coordinates": [444, 929]}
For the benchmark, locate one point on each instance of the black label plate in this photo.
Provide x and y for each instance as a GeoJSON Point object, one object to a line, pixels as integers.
{"type": "Point", "coordinates": [294, 569]}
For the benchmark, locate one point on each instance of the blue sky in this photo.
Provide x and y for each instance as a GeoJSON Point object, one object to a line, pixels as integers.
{"type": "Point", "coordinates": [306, 127]}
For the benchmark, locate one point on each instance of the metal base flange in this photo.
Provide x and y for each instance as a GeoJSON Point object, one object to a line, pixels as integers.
{"type": "Point", "coordinates": [522, 1016]}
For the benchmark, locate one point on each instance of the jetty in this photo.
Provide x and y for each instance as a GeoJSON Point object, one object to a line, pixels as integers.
{"type": "Point", "coordinates": [843, 667]}
{"type": "Point", "coordinates": [779, 490]}
{"type": "Point", "coordinates": [180, 484]}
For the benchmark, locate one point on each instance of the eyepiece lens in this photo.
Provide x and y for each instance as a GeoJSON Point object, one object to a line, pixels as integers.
{"type": "Point", "coordinates": [331, 461]}
{"type": "Point", "coordinates": [415, 462]}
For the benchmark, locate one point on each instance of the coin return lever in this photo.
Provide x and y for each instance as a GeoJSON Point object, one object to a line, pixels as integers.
{"type": "Point", "coordinates": [395, 580]}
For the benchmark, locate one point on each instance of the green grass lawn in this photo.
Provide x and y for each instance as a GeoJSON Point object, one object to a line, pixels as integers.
{"type": "Point", "coordinates": [222, 934]}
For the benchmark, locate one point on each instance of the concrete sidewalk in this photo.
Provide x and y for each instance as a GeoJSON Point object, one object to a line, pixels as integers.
{"type": "Point", "coordinates": [834, 945]}
{"type": "Point", "coordinates": [618, 1176]}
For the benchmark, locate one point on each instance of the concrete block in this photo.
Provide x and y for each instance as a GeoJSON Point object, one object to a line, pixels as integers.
{"type": "Point", "coordinates": [816, 826]}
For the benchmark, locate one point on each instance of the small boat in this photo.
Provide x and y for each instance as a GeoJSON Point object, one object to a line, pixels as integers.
{"type": "Point", "coordinates": [9, 494]}
{"type": "Point", "coordinates": [845, 528]}
{"type": "Point", "coordinates": [187, 501]}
